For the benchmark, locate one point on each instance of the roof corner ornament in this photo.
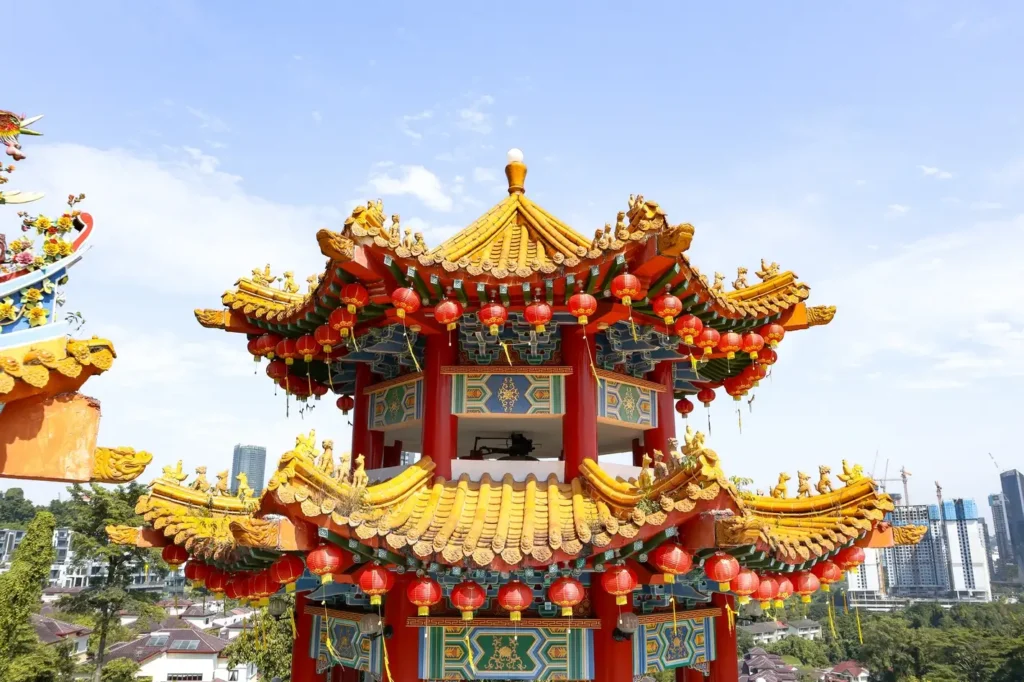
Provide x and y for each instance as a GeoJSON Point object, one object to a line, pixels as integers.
{"type": "Point", "coordinates": [741, 279]}
{"type": "Point", "coordinates": [767, 270]}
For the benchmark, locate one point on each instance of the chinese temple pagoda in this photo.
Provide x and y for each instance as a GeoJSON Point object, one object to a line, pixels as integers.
{"type": "Point", "coordinates": [47, 429]}
{"type": "Point", "coordinates": [511, 357]}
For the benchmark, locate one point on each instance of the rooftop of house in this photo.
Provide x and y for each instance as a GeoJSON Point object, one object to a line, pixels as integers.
{"type": "Point", "coordinates": [765, 627]}
{"type": "Point", "coordinates": [62, 590]}
{"type": "Point", "coordinates": [849, 668]}
{"type": "Point", "coordinates": [804, 623]}
{"type": "Point", "coordinates": [50, 630]}
{"type": "Point", "coordinates": [199, 611]}
{"type": "Point", "coordinates": [179, 638]}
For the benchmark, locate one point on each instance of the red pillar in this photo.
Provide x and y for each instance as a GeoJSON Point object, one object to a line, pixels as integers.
{"type": "Point", "coordinates": [657, 438]}
{"type": "Point", "coordinates": [303, 665]}
{"type": "Point", "coordinates": [375, 457]}
{"type": "Point", "coordinates": [725, 667]}
{"type": "Point", "coordinates": [361, 415]}
{"type": "Point", "coordinates": [613, 661]}
{"type": "Point", "coordinates": [404, 645]}
{"type": "Point", "coordinates": [579, 425]}
{"type": "Point", "coordinates": [689, 675]}
{"type": "Point", "coordinates": [440, 426]}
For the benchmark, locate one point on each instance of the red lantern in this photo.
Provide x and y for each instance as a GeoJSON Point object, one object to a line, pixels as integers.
{"type": "Point", "coordinates": [342, 321]}
{"type": "Point", "coordinates": [216, 581]}
{"type": "Point", "coordinates": [849, 558]}
{"type": "Point", "coordinates": [196, 572]}
{"type": "Point", "coordinates": [689, 327]}
{"type": "Point", "coordinates": [328, 337]}
{"type": "Point", "coordinates": [708, 340]}
{"type": "Point", "coordinates": [237, 586]}
{"type": "Point", "coordinates": [684, 407]}
{"type": "Point", "coordinates": [405, 301]}
{"type": "Point", "coordinates": [493, 316]}
{"type": "Point", "coordinates": [448, 312]}
{"type": "Point", "coordinates": [767, 357]}
{"type": "Point", "coordinates": [582, 306]}
{"type": "Point", "coordinates": [805, 584]}
{"type": "Point", "coordinates": [324, 561]}
{"type": "Point", "coordinates": [752, 374]}
{"type": "Point", "coordinates": [767, 590]}
{"type": "Point", "coordinates": [254, 348]}
{"type": "Point", "coordinates": [619, 581]}
{"type": "Point", "coordinates": [467, 597]}
{"type": "Point", "coordinates": [174, 556]}
{"type": "Point", "coordinates": [307, 346]}
{"type": "Point", "coordinates": [287, 351]}
{"type": "Point", "coordinates": [827, 573]}
{"type": "Point", "coordinates": [729, 343]}
{"type": "Point", "coordinates": [627, 288]}
{"type": "Point", "coordinates": [375, 581]}
{"type": "Point", "coordinates": [424, 592]}
{"type": "Point", "coordinates": [772, 333]}
{"type": "Point", "coordinates": [354, 296]}
{"type": "Point", "coordinates": [670, 558]}
{"type": "Point", "coordinates": [735, 387]}
{"type": "Point", "coordinates": [346, 403]}
{"type": "Point", "coordinates": [262, 587]}
{"type": "Point", "coordinates": [566, 593]}
{"type": "Point", "coordinates": [667, 307]}
{"type": "Point", "coordinates": [751, 343]}
{"type": "Point", "coordinates": [537, 315]}
{"type": "Point", "coordinates": [745, 584]}
{"type": "Point", "coordinates": [267, 345]}
{"type": "Point", "coordinates": [287, 570]}
{"type": "Point", "coordinates": [515, 597]}
{"type": "Point", "coordinates": [721, 568]}
{"type": "Point", "coordinates": [706, 395]}
{"type": "Point", "coordinates": [785, 590]}
{"type": "Point", "coordinates": [294, 385]}
{"type": "Point", "coordinates": [316, 388]}
{"type": "Point", "coordinates": [276, 369]}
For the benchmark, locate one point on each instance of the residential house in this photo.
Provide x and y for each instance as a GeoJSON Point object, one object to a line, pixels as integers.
{"type": "Point", "coordinates": [773, 631]}
{"type": "Point", "coordinates": [53, 632]}
{"type": "Point", "coordinates": [200, 616]}
{"type": "Point", "coordinates": [804, 628]}
{"type": "Point", "coordinates": [55, 594]}
{"type": "Point", "coordinates": [174, 607]}
{"type": "Point", "coordinates": [180, 652]}
{"type": "Point", "coordinates": [847, 671]}
{"type": "Point", "coordinates": [760, 666]}
{"type": "Point", "coordinates": [233, 617]}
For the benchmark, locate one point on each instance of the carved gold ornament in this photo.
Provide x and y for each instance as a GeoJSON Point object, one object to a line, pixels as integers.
{"type": "Point", "coordinates": [118, 465]}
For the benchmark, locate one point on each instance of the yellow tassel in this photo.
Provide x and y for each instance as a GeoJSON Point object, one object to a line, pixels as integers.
{"type": "Point", "coordinates": [416, 362]}
{"type": "Point", "coordinates": [632, 326]}
{"type": "Point", "coordinates": [675, 624]}
{"type": "Point", "coordinates": [739, 419]}
{"type": "Point", "coordinates": [469, 654]}
{"type": "Point", "coordinates": [860, 634]}
{"type": "Point", "coordinates": [504, 347]}
{"type": "Point", "coordinates": [291, 619]}
{"type": "Point", "coordinates": [831, 620]}
{"type": "Point", "coordinates": [731, 614]}
{"type": "Point", "coordinates": [387, 663]}
{"type": "Point", "coordinates": [355, 344]}
{"type": "Point", "coordinates": [846, 605]}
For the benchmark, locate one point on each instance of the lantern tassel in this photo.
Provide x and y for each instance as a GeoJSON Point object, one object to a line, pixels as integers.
{"type": "Point", "coordinates": [504, 347]}
{"type": "Point", "coordinates": [632, 325]}
{"type": "Point", "coordinates": [590, 356]}
{"type": "Point", "coordinates": [831, 619]}
{"type": "Point", "coordinates": [860, 634]}
{"type": "Point", "coordinates": [739, 419]}
{"type": "Point", "coordinates": [387, 662]}
{"type": "Point", "coordinates": [469, 654]}
{"type": "Point", "coordinates": [730, 614]}
{"type": "Point", "coordinates": [675, 623]}
{"type": "Point", "coordinates": [309, 380]}
{"type": "Point", "coordinates": [708, 408]}
{"type": "Point", "coordinates": [291, 619]}
{"type": "Point", "coordinates": [846, 604]}
{"type": "Point", "coordinates": [355, 344]}
{"type": "Point", "coordinates": [408, 344]}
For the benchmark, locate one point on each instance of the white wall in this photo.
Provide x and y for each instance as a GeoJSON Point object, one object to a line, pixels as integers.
{"type": "Point", "coordinates": [210, 666]}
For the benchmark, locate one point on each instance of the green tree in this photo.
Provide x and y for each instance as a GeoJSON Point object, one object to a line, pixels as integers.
{"type": "Point", "coordinates": [15, 509]}
{"type": "Point", "coordinates": [267, 645]}
{"type": "Point", "coordinates": [93, 509]}
{"type": "Point", "coordinates": [120, 670]}
{"type": "Point", "coordinates": [21, 589]}
{"type": "Point", "coordinates": [1012, 669]}
{"type": "Point", "coordinates": [744, 642]}
{"type": "Point", "coordinates": [44, 664]}
{"type": "Point", "coordinates": [808, 651]}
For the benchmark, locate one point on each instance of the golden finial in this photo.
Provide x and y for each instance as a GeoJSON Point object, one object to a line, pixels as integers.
{"type": "Point", "coordinates": [515, 171]}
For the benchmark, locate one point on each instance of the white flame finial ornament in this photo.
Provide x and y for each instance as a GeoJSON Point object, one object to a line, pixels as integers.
{"type": "Point", "coordinates": [515, 155]}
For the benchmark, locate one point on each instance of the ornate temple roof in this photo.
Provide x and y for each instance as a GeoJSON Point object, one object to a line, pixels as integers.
{"type": "Point", "coordinates": [27, 370]}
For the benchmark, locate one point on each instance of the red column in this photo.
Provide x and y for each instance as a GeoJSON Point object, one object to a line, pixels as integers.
{"type": "Point", "coordinates": [579, 425]}
{"type": "Point", "coordinates": [657, 439]}
{"type": "Point", "coordinates": [725, 667]}
{"type": "Point", "coordinates": [613, 661]}
{"type": "Point", "coordinates": [375, 457]}
{"type": "Point", "coordinates": [440, 426]}
{"type": "Point", "coordinates": [303, 665]}
{"type": "Point", "coordinates": [361, 415]}
{"type": "Point", "coordinates": [689, 675]}
{"type": "Point", "coordinates": [404, 645]}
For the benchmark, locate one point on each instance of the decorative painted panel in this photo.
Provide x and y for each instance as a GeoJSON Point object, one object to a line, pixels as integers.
{"type": "Point", "coordinates": [626, 402]}
{"type": "Point", "coordinates": [664, 645]}
{"type": "Point", "coordinates": [395, 405]}
{"type": "Point", "coordinates": [348, 645]}
{"type": "Point", "coordinates": [507, 653]}
{"type": "Point", "coordinates": [29, 302]}
{"type": "Point", "coordinates": [511, 394]}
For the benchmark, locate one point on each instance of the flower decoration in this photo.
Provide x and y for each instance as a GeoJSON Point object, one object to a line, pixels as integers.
{"type": "Point", "coordinates": [32, 296]}
{"type": "Point", "coordinates": [37, 316]}
{"type": "Point", "coordinates": [8, 311]}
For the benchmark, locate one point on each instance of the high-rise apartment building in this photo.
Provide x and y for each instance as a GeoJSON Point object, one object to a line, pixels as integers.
{"type": "Point", "coordinates": [252, 461]}
{"type": "Point", "coordinates": [1013, 496]}
{"type": "Point", "coordinates": [965, 559]}
{"type": "Point", "coordinates": [1001, 528]}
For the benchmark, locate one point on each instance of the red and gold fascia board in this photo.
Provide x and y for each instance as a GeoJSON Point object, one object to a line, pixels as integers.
{"type": "Point", "coordinates": [554, 370]}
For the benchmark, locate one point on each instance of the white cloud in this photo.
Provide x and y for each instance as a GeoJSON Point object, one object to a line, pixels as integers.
{"type": "Point", "coordinates": [937, 173]}
{"type": "Point", "coordinates": [416, 181]}
{"type": "Point", "coordinates": [405, 125]}
{"type": "Point", "coordinates": [433, 235]}
{"type": "Point", "coordinates": [511, 120]}
{"type": "Point", "coordinates": [204, 163]}
{"type": "Point", "coordinates": [484, 175]}
{"type": "Point", "coordinates": [896, 210]}
{"type": "Point", "coordinates": [474, 117]}
{"type": "Point", "coordinates": [986, 205]}
{"type": "Point", "coordinates": [860, 183]}
{"type": "Point", "coordinates": [208, 122]}
{"type": "Point", "coordinates": [317, 116]}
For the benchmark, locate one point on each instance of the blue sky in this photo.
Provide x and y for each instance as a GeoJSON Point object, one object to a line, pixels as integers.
{"type": "Point", "coordinates": [877, 150]}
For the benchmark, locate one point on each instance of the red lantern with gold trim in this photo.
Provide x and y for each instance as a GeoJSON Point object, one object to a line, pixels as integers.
{"type": "Point", "coordinates": [708, 340]}
{"type": "Point", "coordinates": [689, 327]}
{"type": "Point", "coordinates": [706, 395]}
{"type": "Point", "coordinates": [537, 315]}
{"type": "Point", "coordinates": [751, 343]}
{"type": "Point", "coordinates": [767, 590]}
{"type": "Point", "coordinates": [667, 307]}
{"type": "Point", "coordinates": [287, 351]}
{"type": "Point", "coordinates": [196, 572]}
{"type": "Point", "coordinates": [325, 561]}
{"type": "Point", "coordinates": [729, 343]}
{"type": "Point", "coordinates": [342, 321]}
{"type": "Point", "coordinates": [424, 592]}
{"type": "Point", "coordinates": [262, 587]}
{"type": "Point", "coordinates": [721, 568]}
{"type": "Point", "coordinates": [827, 573]}
{"type": "Point", "coordinates": [515, 597]}
{"type": "Point", "coordinates": [627, 288]}
{"type": "Point", "coordinates": [254, 348]}
{"type": "Point", "coordinates": [317, 389]}
{"type": "Point", "coordinates": [328, 337]}
{"type": "Point", "coordinates": [619, 581]}
{"type": "Point", "coordinates": [670, 558]}
{"type": "Point", "coordinates": [745, 584]}
{"type": "Point", "coordinates": [684, 407]}
{"type": "Point", "coordinates": [216, 581]}
{"type": "Point", "coordinates": [405, 300]}
{"type": "Point", "coordinates": [849, 558]}
{"type": "Point", "coordinates": [493, 316]}
{"type": "Point", "coordinates": [354, 296]}
{"type": "Point", "coordinates": [566, 593]}
{"type": "Point", "coordinates": [785, 590]}
{"type": "Point", "coordinates": [735, 386]}
{"type": "Point", "coordinates": [582, 306]}
{"type": "Point", "coordinates": [805, 584]}
{"type": "Point", "coordinates": [346, 404]}
{"type": "Point", "coordinates": [767, 357]}
{"type": "Point", "coordinates": [448, 312]}
{"type": "Point", "coordinates": [752, 374]}
{"type": "Point", "coordinates": [237, 586]}
{"type": "Point", "coordinates": [286, 570]}
{"type": "Point", "coordinates": [267, 345]}
{"type": "Point", "coordinates": [772, 333]}
{"type": "Point", "coordinates": [467, 597]}
{"type": "Point", "coordinates": [307, 346]}
{"type": "Point", "coordinates": [276, 369]}
{"type": "Point", "coordinates": [375, 581]}
{"type": "Point", "coordinates": [174, 555]}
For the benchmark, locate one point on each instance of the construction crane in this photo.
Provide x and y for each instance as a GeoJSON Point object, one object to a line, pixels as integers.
{"type": "Point", "coordinates": [904, 475]}
{"type": "Point", "coordinates": [994, 462]}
